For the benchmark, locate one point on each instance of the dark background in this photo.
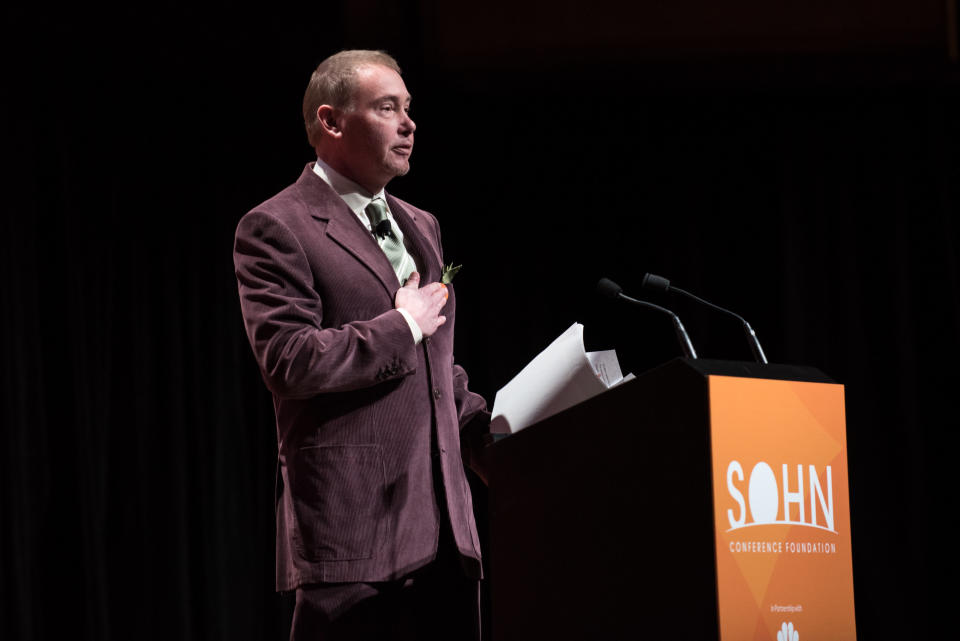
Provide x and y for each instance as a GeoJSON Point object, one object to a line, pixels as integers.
{"type": "Point", "coordinates": [798, 163]}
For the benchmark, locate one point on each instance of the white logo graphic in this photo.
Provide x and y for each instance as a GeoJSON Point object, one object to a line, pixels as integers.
{"type": "Point", "coordinates": [763, 497]}
{"type": "Point", "coordinates": [787, 633]}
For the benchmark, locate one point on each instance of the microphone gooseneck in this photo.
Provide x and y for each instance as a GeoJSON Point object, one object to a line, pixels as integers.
{"type": "Point", "coordinates": [659, 283]}
{"type": "Point", "coordinates": [609, 289]}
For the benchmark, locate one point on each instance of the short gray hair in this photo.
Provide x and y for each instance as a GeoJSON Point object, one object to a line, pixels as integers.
{"type": "Point", "coordinates": [334, 81]}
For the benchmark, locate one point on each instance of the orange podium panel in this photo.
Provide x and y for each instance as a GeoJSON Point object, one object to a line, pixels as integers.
{"type": "Point", "coordinates": [781, 510]}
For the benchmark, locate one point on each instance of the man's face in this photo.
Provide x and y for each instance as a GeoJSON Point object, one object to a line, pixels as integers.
{"type": "Point", "coordinates": [377, 129]}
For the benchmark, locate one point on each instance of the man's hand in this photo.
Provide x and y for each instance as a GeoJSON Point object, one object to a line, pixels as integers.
{"type": "Point", "coordinates": [423, 303]}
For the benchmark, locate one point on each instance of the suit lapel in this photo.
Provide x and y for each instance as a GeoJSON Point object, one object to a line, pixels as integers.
{"type": "Point", "coordinates": [344, 228]}
{"type": "Point", "coordinates": [420, 239]}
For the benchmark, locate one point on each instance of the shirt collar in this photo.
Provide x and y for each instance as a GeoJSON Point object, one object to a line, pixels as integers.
{"type": "Point", "coordinates": [356, 197]}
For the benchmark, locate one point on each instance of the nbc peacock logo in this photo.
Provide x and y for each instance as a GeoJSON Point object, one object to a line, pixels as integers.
{"type": "Point", "coordinates": [787, 632]}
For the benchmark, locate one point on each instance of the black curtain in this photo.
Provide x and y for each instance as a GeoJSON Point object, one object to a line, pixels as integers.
{"type": "Point", "coordinates": [818, 196]}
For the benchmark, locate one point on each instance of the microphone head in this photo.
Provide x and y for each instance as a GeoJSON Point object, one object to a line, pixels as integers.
{"type": "Point", "coordinates": [382, 229]}
{"type": "Point", "coordinates": [608, 289]}
{"type": "Point", "coordinates": [652, 281]}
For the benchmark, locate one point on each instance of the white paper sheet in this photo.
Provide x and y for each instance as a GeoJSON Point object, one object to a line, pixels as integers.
{"type": "Point", "coordinates": [560, 376]}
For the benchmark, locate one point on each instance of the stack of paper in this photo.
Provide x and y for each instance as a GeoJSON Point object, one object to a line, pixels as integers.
{"type": "Point", "coordinates": [561, 376]}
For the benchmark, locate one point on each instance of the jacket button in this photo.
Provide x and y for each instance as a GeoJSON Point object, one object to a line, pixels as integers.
{"type": "Point", "coordinates": [426, 340]}
{"type": "Point", "coordinates": [436, 393]}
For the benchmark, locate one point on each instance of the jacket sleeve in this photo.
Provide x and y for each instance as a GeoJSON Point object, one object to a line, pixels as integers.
{"type": "Point", "coordinates": [283, 315]}
{"type": "Point", "coordinates": [469, 404]}
{"type": "Point", "coordinates": [474, 424]}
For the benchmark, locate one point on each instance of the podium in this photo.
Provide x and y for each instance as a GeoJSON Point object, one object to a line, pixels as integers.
{"type": "Point", "coordinates": [702, 500]}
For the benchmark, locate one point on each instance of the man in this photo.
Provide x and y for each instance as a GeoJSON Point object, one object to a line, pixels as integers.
{"type": "Point", "coordinates": [353, 333]}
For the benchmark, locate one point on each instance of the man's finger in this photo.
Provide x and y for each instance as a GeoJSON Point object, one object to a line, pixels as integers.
{"type": "Point", "coordinates": [413, 281]}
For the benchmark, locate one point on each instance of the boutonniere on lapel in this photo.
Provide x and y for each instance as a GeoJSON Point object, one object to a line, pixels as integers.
{"type": "Point", "coordinates": [449, 271]}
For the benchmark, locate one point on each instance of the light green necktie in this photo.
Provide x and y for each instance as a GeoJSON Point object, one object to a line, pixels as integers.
{"type": "Point", "coordinates": [389, 239]}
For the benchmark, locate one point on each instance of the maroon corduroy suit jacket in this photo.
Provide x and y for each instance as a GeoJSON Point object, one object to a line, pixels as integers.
{"type": "Point", "coordinates": [356, 400]}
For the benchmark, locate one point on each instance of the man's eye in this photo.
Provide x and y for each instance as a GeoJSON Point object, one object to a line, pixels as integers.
{"type": "Point", "coordinates": [387, 107]}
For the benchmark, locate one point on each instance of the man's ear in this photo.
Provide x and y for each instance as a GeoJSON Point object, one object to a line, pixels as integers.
{"type": "Point", "coordinates": [327, 117]}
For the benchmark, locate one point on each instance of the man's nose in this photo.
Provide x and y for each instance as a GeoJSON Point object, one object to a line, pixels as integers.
{"type": "Point", "coordinates": [407, 125]}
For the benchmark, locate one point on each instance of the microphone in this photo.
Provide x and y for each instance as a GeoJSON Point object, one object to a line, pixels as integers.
{"type": "Point", "coordinates": [652, 281]}
{"type": "Point", "coordinates": [609, 289]}
{"type": "Point", "coordinates": [382, 229]}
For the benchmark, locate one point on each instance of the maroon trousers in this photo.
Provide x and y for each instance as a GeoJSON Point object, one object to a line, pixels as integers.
{"type": "Point", "coordinates": [436, 602]}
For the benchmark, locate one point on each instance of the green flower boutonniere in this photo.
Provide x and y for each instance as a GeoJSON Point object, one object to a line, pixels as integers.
{"type": "Point", "coordinates": [449, 271]}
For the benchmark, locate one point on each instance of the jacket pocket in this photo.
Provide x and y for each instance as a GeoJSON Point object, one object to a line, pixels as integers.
{"type": "Point", "coordinates": [338, 497]}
